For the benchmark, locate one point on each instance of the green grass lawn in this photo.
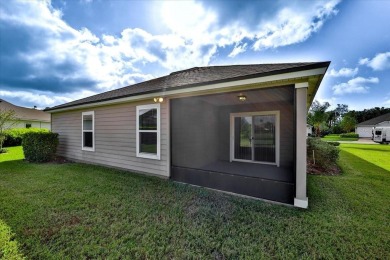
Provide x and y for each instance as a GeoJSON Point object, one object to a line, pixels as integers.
{"type": "Point", "coordinates": [55, 211]}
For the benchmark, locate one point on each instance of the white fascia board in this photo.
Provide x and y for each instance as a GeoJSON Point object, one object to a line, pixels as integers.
{"type": "Point", "coordinates": [302, 85]}
{"type": "Point", "coordinates": [277, 77]}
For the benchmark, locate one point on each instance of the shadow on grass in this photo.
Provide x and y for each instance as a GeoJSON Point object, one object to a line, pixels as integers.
{"type": "Point", "coordinates": [11, 162]}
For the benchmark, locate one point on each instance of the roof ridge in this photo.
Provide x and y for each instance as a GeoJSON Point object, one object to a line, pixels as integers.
{"type": "Point", "coordinates": [241, 65]}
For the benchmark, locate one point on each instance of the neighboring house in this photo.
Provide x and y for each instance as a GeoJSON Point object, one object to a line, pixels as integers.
{"type": "Point", "coordinates": [364, 129]}
{"type": "Point", "coordinates": [240, 129]}
{"type": "Point", "coordinates": [27, 117]}
{"type": "Point", "coordinates": [309, 130]}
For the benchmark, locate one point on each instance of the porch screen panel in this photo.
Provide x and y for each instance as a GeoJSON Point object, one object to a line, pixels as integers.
{"type": "Point", "coordinates": [264, 138]}
{"type": "Point", "coordinates": [243, 138]}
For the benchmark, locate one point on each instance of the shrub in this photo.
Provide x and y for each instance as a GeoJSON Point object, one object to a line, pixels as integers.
{"type": "Point", "coordinates": [13, 137]}
{"type": "Point", "coordinates": [337, 129]}
{"type": "Point", "coordinates": [334, 143]}
{"type": "Point", "coordinates": [325, 154]}
{"type": "Point", "coordinates": [349, 135]}
{"type": "Point", "coordinates": [324, 133]}
{"type": "Point", "coordinates": [39, 146]}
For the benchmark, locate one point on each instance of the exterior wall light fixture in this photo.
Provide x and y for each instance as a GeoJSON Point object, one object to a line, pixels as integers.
{"type": "Point", "coordinates": [158, 99]}
{"type": "Point", "coordinates": [241, 97]}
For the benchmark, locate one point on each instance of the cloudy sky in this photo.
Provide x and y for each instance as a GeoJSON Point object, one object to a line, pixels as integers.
{"type": "Point", "coordinates": [52, 52]}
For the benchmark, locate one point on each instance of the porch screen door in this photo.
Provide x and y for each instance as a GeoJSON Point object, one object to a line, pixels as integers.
{"type": "Point", "coordinates": [255, 138]}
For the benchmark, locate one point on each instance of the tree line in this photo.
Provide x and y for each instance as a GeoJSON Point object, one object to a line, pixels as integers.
{"type": "Point", "coordinates": [341, 119]}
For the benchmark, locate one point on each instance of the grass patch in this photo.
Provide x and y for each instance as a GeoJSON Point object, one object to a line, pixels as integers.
{"type": "Point", "coordinates": [378, 155]}
{"type": "Point", "coordinates": [13, 153]}
{"type": "Point", "coordinates": [82, 211]}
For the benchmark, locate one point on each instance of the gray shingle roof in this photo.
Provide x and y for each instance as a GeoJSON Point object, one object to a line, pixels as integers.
{"type": "Point", "coordinates": [24, 113]}
{"type": "Point", "coordinates": [194, 77]}
{"type": "Point", "coordinates": [375, 120]}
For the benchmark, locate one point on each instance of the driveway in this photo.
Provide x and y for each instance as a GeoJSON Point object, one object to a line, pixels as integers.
{"type": "Point", "coordinates": [360, 141]}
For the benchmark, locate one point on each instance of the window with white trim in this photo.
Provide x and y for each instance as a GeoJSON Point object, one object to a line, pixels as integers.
{"type": "Point", "coordinates": [148, 131]}
{"type": "Point", "coordinates": [88, 131]}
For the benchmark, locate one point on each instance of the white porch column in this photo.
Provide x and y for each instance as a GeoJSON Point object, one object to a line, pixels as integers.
{"type": "Point", "coordinates": [301, 199]}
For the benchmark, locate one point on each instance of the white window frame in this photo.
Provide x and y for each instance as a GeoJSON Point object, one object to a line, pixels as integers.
{"type": "Point", "coordinates": [84, 148]}
{"type": "Point", "coordinates": [277, 135]}
{"type": "Point", "coordinates": [149, 155]}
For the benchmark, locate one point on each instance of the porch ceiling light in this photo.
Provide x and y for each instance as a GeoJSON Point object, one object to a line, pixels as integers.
{"type": "Point", "coordinates": [158, 99]}
{"type": "Point", "coordinates": [241, 97]}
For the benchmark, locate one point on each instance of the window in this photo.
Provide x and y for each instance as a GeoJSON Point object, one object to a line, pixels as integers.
{"type": "Point", "coordinates": [28, 125]}
{"type": "Point", "coordinates": [88, 131]}
{"type": "Point", "coordinates": [148, 131]}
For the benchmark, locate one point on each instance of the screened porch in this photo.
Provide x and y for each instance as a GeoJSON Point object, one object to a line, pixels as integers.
{"type": "Point", "coordinates": [241, 146]}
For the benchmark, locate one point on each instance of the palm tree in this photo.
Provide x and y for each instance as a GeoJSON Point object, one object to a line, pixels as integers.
{"type": "Point", "coordinates": [317, 115]}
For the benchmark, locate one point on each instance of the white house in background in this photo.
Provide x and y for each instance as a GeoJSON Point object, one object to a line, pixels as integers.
{"type": "Point", "coordinates": [364, 129]}
{"type": "Point", "coordinates": [309, 130]}
{"type": "Point", "coordinates": [27, 117]}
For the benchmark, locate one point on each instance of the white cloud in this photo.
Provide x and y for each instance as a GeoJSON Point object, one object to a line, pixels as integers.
{"type": "Point", "coordinates": [109, 65]}
{"type": "Point", "coordinates": [187, 18]}
{"type": "Point", "coordinates": [237, 50]}
{"type": "Point", "coordinates": [113, 61]}
{"type": "Point", "coordinates": [193, 39]}
{"type": "Point", "coordinates": [343, 72]}
{"type": "Point", "coordinates": [381, 61]}
{"type": "Point", "coordinates": [364, 61]}
{"type": "Point", "coordinates": [293, 25]}
{"type": "Point", "coordinates": [198, 26]}
{"type": "Point", "coordinates": [355, 85]}
{"type": "Point", "coordinates": [44, 99]}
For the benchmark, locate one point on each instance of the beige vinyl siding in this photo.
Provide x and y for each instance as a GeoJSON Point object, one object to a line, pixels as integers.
{"type": "Point", "coordinates": [34, 124]}
{"type": "Point", "coordinates": [115, 138]}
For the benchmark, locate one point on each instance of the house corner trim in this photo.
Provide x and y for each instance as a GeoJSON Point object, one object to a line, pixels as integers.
{"type": "Point", "coordinates": [300, 152]}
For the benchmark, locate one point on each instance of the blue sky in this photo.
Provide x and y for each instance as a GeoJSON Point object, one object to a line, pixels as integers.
{"type": "Point", "coordinates": [52, 52]}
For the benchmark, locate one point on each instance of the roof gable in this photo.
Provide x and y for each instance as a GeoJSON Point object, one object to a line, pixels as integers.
{"type": "Point", "coordinates": [24, 113]}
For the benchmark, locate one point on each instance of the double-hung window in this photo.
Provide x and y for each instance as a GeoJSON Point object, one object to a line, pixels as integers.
{"type": "Point", "coordinates": [148, 131]}
{"type": "Point", "coordinates": [88, 131]}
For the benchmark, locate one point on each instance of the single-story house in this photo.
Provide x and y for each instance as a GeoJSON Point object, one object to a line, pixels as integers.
{"type": "Point", "coordinates": [27, 117]}
{"type": "Point", "coordinates": [239, 129]}
{"type": "Point", "coordinates": [364, 129]}
{"type": "Point", "coordinates": [309, 130]}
